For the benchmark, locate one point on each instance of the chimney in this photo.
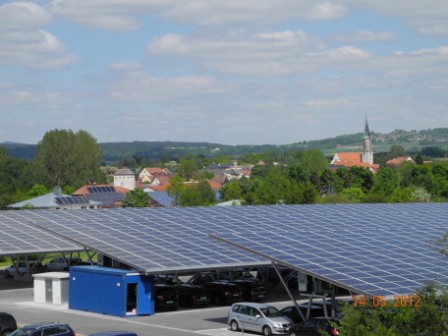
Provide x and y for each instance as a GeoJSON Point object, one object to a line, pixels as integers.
{"type": "Point", "coordinates": [57, 191]}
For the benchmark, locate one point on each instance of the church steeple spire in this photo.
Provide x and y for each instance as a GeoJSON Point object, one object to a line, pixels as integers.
{"type": "Point", "coordinates": [366, 130]}
{"type": "Point", "coordinates": [367, 149]}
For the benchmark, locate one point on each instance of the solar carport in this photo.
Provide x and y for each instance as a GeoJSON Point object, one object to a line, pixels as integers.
{"type": "Point", "coordinates": [370, 249]}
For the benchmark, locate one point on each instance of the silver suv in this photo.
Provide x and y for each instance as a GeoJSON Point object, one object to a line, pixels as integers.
{"type": "Point", "coordinates": [258, 317]}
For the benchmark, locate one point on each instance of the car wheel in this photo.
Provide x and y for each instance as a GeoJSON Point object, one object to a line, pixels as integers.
{"type": "Point", "coordinates": [293, 334]}
{"type": "Point", "coordinates": [234, 326]}
{"type": "Point", "coordinates": [6, 275]}
{"type": "Point", "coordinates": [267, 331]}
{"type": "Point", "coordinates": [6, 332]}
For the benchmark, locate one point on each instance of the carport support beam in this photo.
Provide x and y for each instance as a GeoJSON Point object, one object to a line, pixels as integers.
{"type": "Point", "coordinates": [287, 289]}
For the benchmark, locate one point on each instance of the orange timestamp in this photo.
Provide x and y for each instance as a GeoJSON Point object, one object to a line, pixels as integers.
{"type": "Point", "coordinates": [377, 301]}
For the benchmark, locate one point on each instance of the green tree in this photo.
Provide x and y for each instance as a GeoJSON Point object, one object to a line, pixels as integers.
{"type": "Point", "coordinates": [197, 194]}
{"type": "Point", "coordinates": [207, 194]}
{"type": "Point", "coordinates": [430, 318]}
{"type": "Point", "coordinates": [298, 173]}
{"type": "Point", "coordinates": [136, 198]}
{"type": "Point", "coordinates": [37, 190]}
{"type": "Point", "coordinates": [354, 194]}
{"type": "Point", "coordinates": [231, 191]}
{"type": "Point", "coordinates": [408, 174]}
{"type": "Point", "coordinates": [402, 195]}
{"type": "Point", "coordinates": [12, 178]}
{"type": "Point", "coordinates": [396, 151]}
{"type": "Point", "coordinates": [189, 167]}
{"type": "Point", "coordinates": [419, 159]}
{"type": "Point", "coordinates": [310, 194]}
{"type": "Point", "coordinates": [327, 182]}
{"type": "Point", "coordinates": [386, 181]}
{"type": "Point", "coordinates": [313, 161]}
{"type": "Point", "coordinates": [67, 158]}
{"type": "Point", "coordinates": [176, 188]}
{"type": "Point", "coordinates": [275, 187]}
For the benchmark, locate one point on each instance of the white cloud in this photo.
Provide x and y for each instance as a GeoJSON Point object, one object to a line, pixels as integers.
{"type": "Point", "coordinates": [429, 17]}
{"type": "Point", "coordinates": [34, 49]}
{"type": "Point", "coordinates": [113, 15]}
{"type": "Point", "coordinates": [365, 36]}
{"type": "Point", "coordinates": [123, 15]}
{"type": "Point", "coordinates": [273, 53]}
{"type": "Point", "coordinates": [23, 16]}
{"type": "Point", "coordinates": [133, 84]}
{"type": "Point", "coordinates": [23, 42]}
{"type": "Point", "coordinates": [336, 103]}
{"type": "Point", "coordinates": [126, 66]}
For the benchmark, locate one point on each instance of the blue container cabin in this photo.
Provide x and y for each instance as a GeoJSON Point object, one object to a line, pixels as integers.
{"type": "Point", "coordinates": [111, 291]}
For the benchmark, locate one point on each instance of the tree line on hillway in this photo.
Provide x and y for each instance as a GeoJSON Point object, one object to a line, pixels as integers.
{"type": "Point", "coordinates": [68, 159]}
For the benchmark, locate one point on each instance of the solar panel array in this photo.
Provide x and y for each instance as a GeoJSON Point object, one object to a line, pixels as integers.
{"type": "Point", "coordinates": [147, 239]}
{"type": "Point", "coordinates": [18, 237]}
{"type": "Point", "coordinates": [371, 249]}
{"type": "Point", "coordinates": [70, 200]}
{"type": "Point", "coordinates": [375, 249]}
{"type": "Point", "coordinates": [106, 198]}
{"type": "Point", "coordinates": [161, 197]}
{"type": "Point", "coordinates": [101, 189]}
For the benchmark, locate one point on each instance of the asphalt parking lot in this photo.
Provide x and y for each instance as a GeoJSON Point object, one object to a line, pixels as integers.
{"type": "Point", "coordinates": [17, 298]}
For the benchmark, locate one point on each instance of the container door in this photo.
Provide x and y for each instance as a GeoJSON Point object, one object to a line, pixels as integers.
{"type": "Point", "coordinates": [48, 291]}
{"type": "Point", "coordinates": [131, 300]}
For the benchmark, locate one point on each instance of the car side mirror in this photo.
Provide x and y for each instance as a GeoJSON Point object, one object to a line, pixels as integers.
{"type": "Point", "coordinates": [257, 316]}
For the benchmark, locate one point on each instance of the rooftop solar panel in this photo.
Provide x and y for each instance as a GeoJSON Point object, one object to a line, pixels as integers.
{"type": "Point", "coordinates": [67, 200]}
{"type": "Point", "coordinates": [161, 197]}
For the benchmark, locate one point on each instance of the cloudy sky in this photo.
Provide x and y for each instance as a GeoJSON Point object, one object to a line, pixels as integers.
{"type": "Point", "coordinates": [224, 71]}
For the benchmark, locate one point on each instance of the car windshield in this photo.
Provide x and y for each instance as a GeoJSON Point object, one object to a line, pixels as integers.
{"type": "Point", "coordinates": [270, 312]}
{"type": "Point", "coordinates": [22, 332]}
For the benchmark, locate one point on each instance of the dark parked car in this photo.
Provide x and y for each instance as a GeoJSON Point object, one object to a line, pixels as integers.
{"type": "Point", "coordinates": [45, 328]}
{"type": "Point", "coordinates": [223, 292]}
{"type": "Point", "coordinates": [166, 297]}
{"type": "Point", "coordinates": [235, 274]}
{"type": "Point", "coordinates": [190, 295]}
{"type": "Point", "coordinates": [251, 291]}
{"type": "Point", "coordinates": [7, 324]}
{"type": "Point", "coordinates": [314, 327]}
{"type": "Point", "coordinates": [219, 291]}
{"type": "Point", "coordinates": [293, 314]}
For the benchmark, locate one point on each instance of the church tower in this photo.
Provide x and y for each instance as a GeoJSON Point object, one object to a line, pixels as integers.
{"type": "Point", "coordinates": [367, 149]}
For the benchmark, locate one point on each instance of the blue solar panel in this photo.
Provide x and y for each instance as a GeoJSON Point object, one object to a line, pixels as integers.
{"type": "Point", "coordinates": [67, 200]}
{"type": "Point", "coordinates": [161, 197]}
{"type": "Point", "coordinates": [376, 257]}
{"type": "Point", "coordinates": [375, 249]}
{"type": "Point", "coordinates": [20, 238]}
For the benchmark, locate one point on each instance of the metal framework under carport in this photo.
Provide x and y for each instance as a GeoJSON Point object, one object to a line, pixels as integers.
{"type": "Point", "coordinates": [33, 264]}
{"type": "Point", "coordinates": [275, 262]}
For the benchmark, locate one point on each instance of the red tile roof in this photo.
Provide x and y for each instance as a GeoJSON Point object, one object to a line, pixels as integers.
{"type": "Point", "coordinates": [399, 160]}
{"type": "Point", "coordinates": [82, 191]}
{"type": "Point", "coordinates": [162, 187]}
{"type": "Point", "coordinates": [155, 170]}
{"type": "Point", "coordinates": [352, 159]}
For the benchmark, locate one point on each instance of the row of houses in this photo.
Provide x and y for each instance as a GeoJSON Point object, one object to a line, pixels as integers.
{"type": "Point", "coordinates": [155, 181]}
